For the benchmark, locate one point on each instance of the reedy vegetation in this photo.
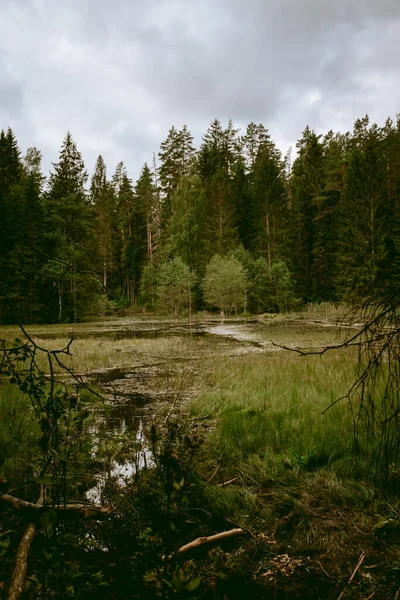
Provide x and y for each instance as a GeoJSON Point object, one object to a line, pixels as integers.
{"type": "Point", "coordinates": [299, 487]}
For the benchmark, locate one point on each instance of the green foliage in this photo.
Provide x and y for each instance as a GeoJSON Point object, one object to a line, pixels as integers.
{"type": "Point", "coordinates": [174, 286]}
{"type": "Point", "coordinates": [225, 284]}
{"type": "Point", "coordinates": [19, 432]}
{"type": "Point", "coordinates": [271, 288]}
{"type": "Point", "coordinates": [148, 285]}
{"type": "Point", "coordinates": [187, 221]}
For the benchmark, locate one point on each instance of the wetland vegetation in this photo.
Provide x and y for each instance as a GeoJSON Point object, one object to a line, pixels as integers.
{"type": "Point", "coordinates": [200, 427]}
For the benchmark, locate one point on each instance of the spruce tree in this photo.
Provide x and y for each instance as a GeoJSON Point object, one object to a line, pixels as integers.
{"type": "Point", "coordinates": [307, 184]}
{"type": "Point", "coordinates": [270, 215]}
{"type": "Point", "coordinates": [68, 225]}
{"type": "Point", "coordinates": [103, 199]}
{"type": "Point", "coordinates": [364, 216]}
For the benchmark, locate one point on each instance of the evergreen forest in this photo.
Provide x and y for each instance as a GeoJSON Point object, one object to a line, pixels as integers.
{"type": "Point", "coordinates": [232, 225]}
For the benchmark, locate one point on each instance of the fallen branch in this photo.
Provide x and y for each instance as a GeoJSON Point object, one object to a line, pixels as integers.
{"type": "Point", "coordinates": [358, 565]}
{"type": "Point", "coordinates": [21, 567]}
{"type": "Point", "coordinates": [21, 559]}
{"type": "Point", "coordinates": [86, 510]}
{"type": "Point", "coordinates": [201, 541]}
{"type": "Point", "coordinates": [228, 482]}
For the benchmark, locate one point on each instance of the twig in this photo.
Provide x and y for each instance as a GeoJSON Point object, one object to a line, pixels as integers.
{"type": "Point", "coordinates": [228, 482]}
{"type": "Point", "coordinates": [213, 475]}
{"type": "Point", "coordinates": [358, 565]}
{"type": "Point", "coordinates": [326, 573]}
{"type": "Point", "coordinates": [394, 510]}
{"type": "Point", "coordinates": [253, 535]}
{"type": "Point", "coordinates": [397, 595]}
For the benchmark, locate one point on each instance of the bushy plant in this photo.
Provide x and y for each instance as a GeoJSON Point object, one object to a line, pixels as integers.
{"type": "Point", "coordinates": [174, 286]}
{"type": "Point", "coordinates": [225, 284]}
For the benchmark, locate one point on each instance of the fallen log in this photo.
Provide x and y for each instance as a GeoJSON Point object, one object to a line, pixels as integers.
{"type": "Point", "coordinates": [21, 559]}
{"type": "Point", "coordinates": [21, 565]}
{"type": "Point", "coordinates": [86, 510]}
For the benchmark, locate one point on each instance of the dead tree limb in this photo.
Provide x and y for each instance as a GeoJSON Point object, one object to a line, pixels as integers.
{"type": "Point", "coordinates": [21, 563]}
{"type": "Point", "coordinates": [86, 510]}
{"type": "Point", "coordinates": [21, 559]}
{"type": "Point", "coordinates": [201, 541]}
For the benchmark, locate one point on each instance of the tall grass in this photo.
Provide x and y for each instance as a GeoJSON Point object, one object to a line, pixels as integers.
{"type": "Point", "coordinates": [269, 409]}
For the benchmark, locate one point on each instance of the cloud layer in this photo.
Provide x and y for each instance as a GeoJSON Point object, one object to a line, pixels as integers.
{"type": "Point", "coordinates": [119, 74]}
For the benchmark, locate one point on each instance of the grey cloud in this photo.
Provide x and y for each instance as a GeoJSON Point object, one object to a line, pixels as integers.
{"type": "Point", "coordinates": [119, 74]}
{"type": "Point", "coordinates": [11, 93]}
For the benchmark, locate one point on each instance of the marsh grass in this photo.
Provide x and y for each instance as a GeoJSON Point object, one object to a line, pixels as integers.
{"type": "Point", "coordinates": [271, 406]}
{"type": "Point", "coordinates": [90, 354]}
{"type": "Point", "coordinates": [298, 487]}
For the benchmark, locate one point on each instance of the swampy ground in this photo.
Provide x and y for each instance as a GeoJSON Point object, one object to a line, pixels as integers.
{"type": "Point", "coordinates": [208, 425]}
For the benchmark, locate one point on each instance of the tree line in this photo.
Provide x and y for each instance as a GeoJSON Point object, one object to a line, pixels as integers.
{"type": "Point", "coordinates": [232, 224]}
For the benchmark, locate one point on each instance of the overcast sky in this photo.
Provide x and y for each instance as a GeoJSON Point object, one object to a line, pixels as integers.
{"type": "Point", "coordinates": [119, 73]}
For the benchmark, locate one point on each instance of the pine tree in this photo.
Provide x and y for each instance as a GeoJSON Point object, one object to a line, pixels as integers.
{"type": "Point", "coordinates": [103, 199]}
{"type": "Point", "coordinates": [218, 156]}
{"type": "Point", "coordinates": [326, 222]}
{"type": "Point", "coordinates": [255, 137]}
{"type": "Point", "coordinates": [307, 184]}
{"type": "Point", "coordinates": [68, 223]}
{"type": "Point", "coordinates": [12, 222]}
{"type": "Point", "coordinates": [364, 216]}
{"type": "Point", "coordinates": [242, 186]}
{"type": "Point", "coordinates": [270, 215]}
{"type": "Point", "coordinates": [125, 200]}
{"type": "Point", "coordinates": [144, 231]}
{"type": "Point", "coordinates": [177, 158]}
{"type": "Point", "coordinates": [185, 227]}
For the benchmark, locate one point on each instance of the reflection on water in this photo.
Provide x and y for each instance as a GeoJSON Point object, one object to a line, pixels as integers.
{"type": "Point", "coordinates": [144, 329]}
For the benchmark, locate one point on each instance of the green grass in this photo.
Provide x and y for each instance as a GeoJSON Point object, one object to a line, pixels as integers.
{"type": "Point", "coordinates": [271, 407]}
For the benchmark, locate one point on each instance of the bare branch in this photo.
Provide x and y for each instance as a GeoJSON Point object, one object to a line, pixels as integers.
{"type": "Point", "coordinates": [86, 510]}
{"type": "Point", "coordinates": [218, 537]}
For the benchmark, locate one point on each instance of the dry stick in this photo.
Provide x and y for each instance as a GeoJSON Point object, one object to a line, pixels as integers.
{"type": "Point", "coordinates": [397, 595]}
{"type": "Point", "coordinates": [87, 510]}
{"type": "Point", "coordinates": [21, 559]}
{"type": "Point", "coordinates": [213, 475]}
{"type": "Point", "coordinates": [228, 482]}
{"type": "Point", "coordinates": [326, 572]}
{"type": "Point", "coordinates": [209, 539]}
{"type": "Point", "coordinates": [393, 509]}
{"type": "Point", "coordinates": [358, 565]}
